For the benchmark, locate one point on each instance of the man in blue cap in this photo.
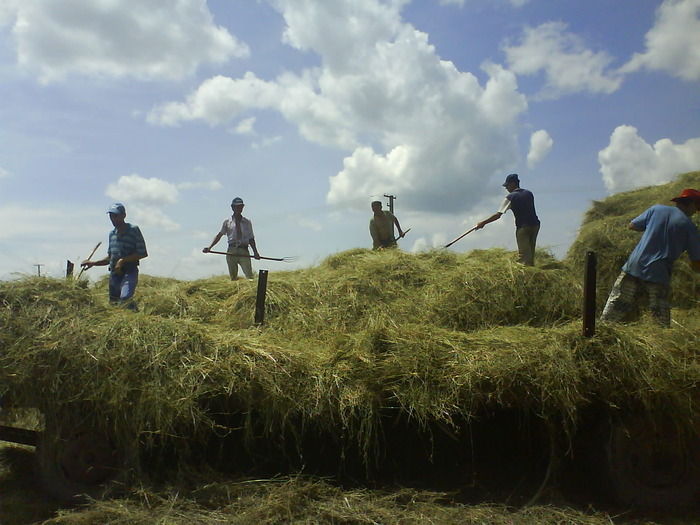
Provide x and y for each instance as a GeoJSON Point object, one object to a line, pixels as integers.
{"type": "Point", "coordinates": [126, 249]}
{"type": "Point", "coordinates": [239, 231]}
{"type": "Point", "coordinates": [527, 224]}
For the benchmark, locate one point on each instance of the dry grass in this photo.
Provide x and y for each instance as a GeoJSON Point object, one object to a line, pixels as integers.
{"type": "Point", "coordinates": [308, 501]}
{"type": "Point", "coordinates": [442, 337]}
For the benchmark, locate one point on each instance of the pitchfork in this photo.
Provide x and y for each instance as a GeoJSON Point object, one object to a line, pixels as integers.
{"type": "Point", "coordinates": [282, 259]}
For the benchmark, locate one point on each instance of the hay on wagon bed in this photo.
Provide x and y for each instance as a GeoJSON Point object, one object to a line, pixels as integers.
{"type": "Point", "coordinates": [348, 290]}
{"type": "Point", "coordinates": [149, 378]}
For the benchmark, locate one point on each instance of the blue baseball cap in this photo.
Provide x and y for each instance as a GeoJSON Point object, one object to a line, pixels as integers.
{"type": "Point", "coordinates": [512, 179]}
{"type": "Point", "coordinates": [237, 201]}
{"type": "Point", "coordinates": [117, 208]}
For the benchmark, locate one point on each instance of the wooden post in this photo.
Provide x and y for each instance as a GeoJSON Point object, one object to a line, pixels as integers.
{"type": "Point", "coordinates": [589, 291]}
{"type": "Point", "coordinates": [260, 299]}
{"type": "Point", "coordinates": [69, 269]}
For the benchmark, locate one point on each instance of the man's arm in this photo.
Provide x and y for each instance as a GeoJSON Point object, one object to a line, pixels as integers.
{"type": "Point", "coordinates": [216, 239]}
{"type": "Point", "coordinates": [251, 243]}
{"type": "Point", "coordinates": [127, 259]}
{"type": "Point", "coordinates": [632, 227]}
{"type": "Point", "coordinates": [375, 234]}
{"type": "Point", "coordinates": [89, 264]}
{"type": "Point", "coordinates": [396, 221]}
{"type": "Point", "coordinates": [493, 217]}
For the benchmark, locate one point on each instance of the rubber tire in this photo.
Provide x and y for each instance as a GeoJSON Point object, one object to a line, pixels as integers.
{"type": "Point", "coordinates": [651, 466]}
{"type": "Point", "coordinates": [82, 464]}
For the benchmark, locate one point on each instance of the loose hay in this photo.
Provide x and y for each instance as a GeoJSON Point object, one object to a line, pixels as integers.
{"type": "Point", "coordinates": [442, 337]}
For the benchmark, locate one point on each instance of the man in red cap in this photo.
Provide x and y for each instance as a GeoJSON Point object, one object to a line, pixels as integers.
{"type": "Point", "coordinates": [667, 233]}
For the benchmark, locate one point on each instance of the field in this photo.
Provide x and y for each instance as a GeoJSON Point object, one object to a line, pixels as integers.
{"type": "Point", "coordinates": [383, 387]}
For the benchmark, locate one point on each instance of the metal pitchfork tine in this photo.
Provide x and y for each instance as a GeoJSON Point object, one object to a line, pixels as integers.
{"type": "Point", "coordinates": [281, 259]}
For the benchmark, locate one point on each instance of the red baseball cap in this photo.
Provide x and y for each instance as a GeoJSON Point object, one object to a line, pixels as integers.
{"type": "Point", "coordinates": [689, 194]}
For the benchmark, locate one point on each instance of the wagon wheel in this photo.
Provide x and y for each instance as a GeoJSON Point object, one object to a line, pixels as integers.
{"type": "Point", "coordinates": [651, 466]}
{"type": "Point", "coordinates": [82, 462]}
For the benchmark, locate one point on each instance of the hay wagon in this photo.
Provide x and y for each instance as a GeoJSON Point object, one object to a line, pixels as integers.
{"type": "Point", "coordinates": [499, 410]}
{"type": "Point", "coordinates": [385, 367]}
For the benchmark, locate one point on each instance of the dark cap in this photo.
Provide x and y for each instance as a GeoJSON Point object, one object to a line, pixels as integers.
{"type": "Point", "coordinates": [512, 179]}
{"type": "Point", "coordinates": [117, 208]}
{"type": "Point", "coordinates": [237, 202]}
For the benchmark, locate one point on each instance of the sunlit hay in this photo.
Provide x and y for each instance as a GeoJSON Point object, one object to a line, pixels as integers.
{"type": "Point", "coordinates": [465, 292]}
{"type": "Point", "coordinates": [604, 231]}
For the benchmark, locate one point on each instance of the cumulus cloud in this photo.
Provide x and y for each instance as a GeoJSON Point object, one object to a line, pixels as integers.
{"type": "Point", "coordinates": [673, 44]}
{"type": "Point", "coordinates": [246, 126]}
{"type": "Point", "coordinates": [460, 3]}
{"type": "Point", "coordinates": [152, 191]}
{"type": "Point", "coordinates": [568, 65]}
{"type": "Point", "coordinates": [145, 198]}
{"type": "Point", "coordinates": [411, 122]}
{"type": "Point", "coordinates": [540, 146]}
{"type": "Point", "coordinates": [211, 185]}
{"type": "Point", "coordinates": [628, 162]}
{"type": "Point", "coordinates": [149, 39]}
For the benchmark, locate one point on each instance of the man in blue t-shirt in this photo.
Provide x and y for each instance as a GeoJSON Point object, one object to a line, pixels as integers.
{"type": "Point", "coordinates": [527, 224]}
{"type": "Point", "coordinates": [668, 232]}
{"type": "Point", "coordinates": [126, 249]}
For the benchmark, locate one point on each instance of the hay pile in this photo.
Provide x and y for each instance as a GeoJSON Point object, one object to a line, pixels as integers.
{"type": "Point", "coordinates": [440, 337]}
{"type": "Point", "coordinates": [604, 231]}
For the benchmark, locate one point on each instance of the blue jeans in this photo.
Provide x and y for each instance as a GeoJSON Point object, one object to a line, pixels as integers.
{"type": "Point", "coordinates": [122, 287]}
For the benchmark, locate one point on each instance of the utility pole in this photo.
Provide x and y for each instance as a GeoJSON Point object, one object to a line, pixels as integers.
{"type": "Point", "coordinates": [38, 269]}
{"type": "Point", "coordinates": [391, 202]}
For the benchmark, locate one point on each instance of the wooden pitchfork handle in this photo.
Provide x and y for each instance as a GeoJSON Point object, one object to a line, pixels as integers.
{"type": "Point", "coordinates": [89, 257]}
{"type": "Point", "coordinates": [458, 238]}
{"type": "Point", "coordinates": [283, 259]}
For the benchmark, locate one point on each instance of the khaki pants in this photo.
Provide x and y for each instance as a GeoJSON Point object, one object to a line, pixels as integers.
{"type": "Point", "coordinates": [241, 257]}
{"type": "Point", "coordinates": [526, 238]}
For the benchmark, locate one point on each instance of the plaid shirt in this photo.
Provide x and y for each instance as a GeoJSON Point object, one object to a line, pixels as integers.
{"type": "Point", "coordinates": [130, 241]}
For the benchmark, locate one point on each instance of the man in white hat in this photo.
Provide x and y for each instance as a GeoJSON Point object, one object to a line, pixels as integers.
{"type": "Point", "coordinates": [239, 231]}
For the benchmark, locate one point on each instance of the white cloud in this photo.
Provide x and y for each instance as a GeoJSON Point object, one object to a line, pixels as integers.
{"type": "Point", "coordinates": [148, 39]}
{"type": "Point", "coordinates": [212, 185]}
{"type": "Point", "coordinates": [246, 126]}
{"type": "Point", "coordinates": [673, 44]}
{"type": "Point", "coordinates": [4, 174]}
{"type": "Point", "coordinates": [540, 146]}
{"type": "Point", "coordinates": [148, 197]}
{"type": "Point", "coordinates": [628, 162]}
{"type": "Point", "coordinates": [412, 123]}
{"type": "Point", "coordinates": [152, 191]}
{"type": "Point", "coordinates": [569, 67]}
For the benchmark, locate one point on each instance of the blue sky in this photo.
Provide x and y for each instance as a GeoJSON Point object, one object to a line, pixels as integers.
{"type": "Point", "coordinates": [310, 109]}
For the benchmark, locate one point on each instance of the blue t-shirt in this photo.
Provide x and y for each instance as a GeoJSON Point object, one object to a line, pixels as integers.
{"type": "Point", "coordinates": [668, 232]}
{"type": "Point", "coordinates": [522, 203]}
{"type": "Point", "coordinates": [130, 241]}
